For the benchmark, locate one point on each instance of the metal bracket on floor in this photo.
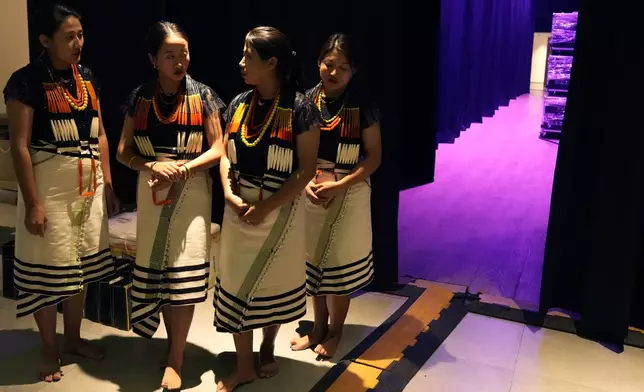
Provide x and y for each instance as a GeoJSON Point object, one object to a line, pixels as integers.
{"type": "Point", "coordinates": [467, 296]}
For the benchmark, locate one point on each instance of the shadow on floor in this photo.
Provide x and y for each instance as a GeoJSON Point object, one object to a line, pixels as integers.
{"type": "Point", "coordinates": [132, 364]}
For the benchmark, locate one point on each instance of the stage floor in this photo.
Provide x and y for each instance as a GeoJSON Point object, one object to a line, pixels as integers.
{"type": "Point", "coordinates": [485, 354]}
{"type": "Point", "coordinates": [483, 222]}
{"type": "Point", "coordinates": [387, 335]}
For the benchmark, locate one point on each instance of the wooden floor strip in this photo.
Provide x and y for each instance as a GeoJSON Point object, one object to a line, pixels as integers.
{"type": "Point", "coordinates": [363, 373]}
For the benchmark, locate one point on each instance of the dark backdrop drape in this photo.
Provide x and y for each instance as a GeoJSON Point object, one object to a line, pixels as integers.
{"type": "Point", "coordinates": [399, 57]}
{"type": "Point", "coordinates": [594, 260]}
{"type": "Point", "coordinates": [485, 60]}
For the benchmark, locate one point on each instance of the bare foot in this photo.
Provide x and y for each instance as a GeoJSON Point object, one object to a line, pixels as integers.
{"type": "Point", "coordinates": [268, 367]}
{"type": "Point", "coordinates": [237, 379]}
{"type": "Point", "coordinates": [327, 349]}
{"type": "Point", "coordinates": [171, 379]}
{"type": "Point", "coordinates": [84, 349]}
{"type": "Point", "coordinates": [50, 370]}
{"type": "Point", "coordinates": [308, 341]}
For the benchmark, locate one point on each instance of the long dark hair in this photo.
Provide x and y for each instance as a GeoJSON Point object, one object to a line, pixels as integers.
{"type": "Point", "coordinates": [157, 34]}
{"type": "Point", "coordinates": [48, 20]}
{"type": "Point", "coordinates": [270, 42]}
{"type": "Point", "coordinates": [343, 43]}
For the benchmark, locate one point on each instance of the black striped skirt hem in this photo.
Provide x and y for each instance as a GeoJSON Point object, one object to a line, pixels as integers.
{"type": "Point", "coordinates": [41, 286]}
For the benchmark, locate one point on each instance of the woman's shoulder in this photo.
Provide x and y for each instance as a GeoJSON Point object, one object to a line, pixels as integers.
{"type": "Point", "coordinates": [86, 72]}
{"type": "Point", "coordinates": [241, 97]}
{"type": "Point", "coordinates": [306, 113]}
{"type": "Point", "coordinates": [145, 89]}
{"type": "Point", "coordinates": [29, 74]}
{"type": "Point", "coordinates": [24, 84]}
{"type": "Point", "coordinates": [303, 102]}
{"type": "Point", "coordinates": [312, 92]}
{"type": "Point", "coordinates": [209, 95]}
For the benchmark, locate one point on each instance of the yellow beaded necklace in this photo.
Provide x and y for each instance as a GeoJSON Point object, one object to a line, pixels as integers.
{"type": "Point", "coordinates": [333, 121]}
{"type": "Point", "coordinates": [79, 104]}
{"type": "Point", "coordinates": [247, 119]}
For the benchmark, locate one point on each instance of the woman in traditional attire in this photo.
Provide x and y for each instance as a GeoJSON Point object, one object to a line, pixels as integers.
{"type": "Point", "coordinates": [172, 135]}
{"type": "Point", "coordinates": [272, 138]}
{"type": "Point", "coordinates": [339, 257]}
{"type": "Point", "coordinates": [61, 159]}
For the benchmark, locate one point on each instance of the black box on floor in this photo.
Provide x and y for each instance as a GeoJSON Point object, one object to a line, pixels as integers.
{"type": "Point", "coordinates": [105, 302]}
{"type": "Point", "coordinates": [92, 302]}
{"type": "Point", "coordinates": [121, 303]}
{"type": "Point", "coordinates": [8, 287]}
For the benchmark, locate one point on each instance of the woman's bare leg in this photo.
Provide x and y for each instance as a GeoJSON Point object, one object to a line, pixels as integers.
{"type": "Point", "coordinates": [245, 372]}
{"type": "Point", "coordinates": [320, 327]}
{"type": "Point", "coordinates": [167, 315]}
{"type": "Point", "coordinates": [339, 307]}
{"type": "Point", "coordinates": [50, 366]}
{"type": "Point", "coordinates": [267, 364]}
{"type": "Point", "coordinates": [180, 320]}
{"type": "Point", "coordinates": [73, 310]}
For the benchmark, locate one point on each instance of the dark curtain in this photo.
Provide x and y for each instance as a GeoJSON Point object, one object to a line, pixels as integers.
{"type": "Point", "coordinates": [594, 261]}
{"type": "Point", "coordinates": [485, 60]}
{"type": "Point", "coordinates": [399, 52]}
{"type": "Point", "coordinates": [217, 31]}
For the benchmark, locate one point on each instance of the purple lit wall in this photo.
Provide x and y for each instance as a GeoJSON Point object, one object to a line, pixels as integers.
{"type": "Point", "coordinates": [562, 43]}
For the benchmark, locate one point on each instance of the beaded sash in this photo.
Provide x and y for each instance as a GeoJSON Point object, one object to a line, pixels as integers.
{"type": "Point", "coordinates": [346, 124]}
{"type": "Point", "coordinates": [64, 110]}
{"type": "Point", "coordinates": [186, 120]}
{"type": "Point", "coordinates": [279, 120]}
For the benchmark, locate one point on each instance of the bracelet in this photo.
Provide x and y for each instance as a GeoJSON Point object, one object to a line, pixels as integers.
{"type": "Point", "coordinates": [187, 172]}
{"type": "Point", "coordinates": [129, 163]}
{"type": "Point", "coordinates": [152, 165]}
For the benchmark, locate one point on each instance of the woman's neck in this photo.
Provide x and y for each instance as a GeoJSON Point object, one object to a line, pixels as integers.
{"type": "Point", "coordinates": [268, 89]}
{"type": "Point", "coordinates": [57, 64]}
{"type": "Point", "coordinates": [333, 93]}
{"type": "Point", "coordinates": [169, 86]}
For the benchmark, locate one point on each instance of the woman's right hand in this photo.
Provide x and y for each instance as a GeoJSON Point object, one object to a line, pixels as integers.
{"type": "Point", "coordinates": [237, 204]}
{"type": "Point", "coordinates": [168, 171]}
{"type": "Point", "coordinates": [36, 221]}
{"type": "Point", "coordinates": [311, 187]}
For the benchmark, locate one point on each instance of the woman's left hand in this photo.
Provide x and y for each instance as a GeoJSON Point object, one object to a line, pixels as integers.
{"type": "Point", "coordinates": [113, 203]}
{"type": "Point", "coordinates": [255, 214]}
{"type": "Point", "coordinates": [328, 190]}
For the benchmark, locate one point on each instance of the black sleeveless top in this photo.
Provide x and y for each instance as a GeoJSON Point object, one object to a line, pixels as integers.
{"type": "Point", "coordinates": [252, 161]}
{"type": "Point", "coordinates": [27, 85]}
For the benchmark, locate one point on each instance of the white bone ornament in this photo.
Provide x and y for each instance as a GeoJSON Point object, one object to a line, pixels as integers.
{"type": "Point", "coordinates": [148, 146]}
{"type": "Point", "coordinates": [94, 128]}
{"type": "Point", "coordinates": [284, 160]}
{"type": "Point", "coordinates": [60, 124]}
{"type": "Point", "coordinates": [188, 149]}
{"type": "Point", "coordinates": [271, 157]}
{"type": "Point", "coordinates": [290, 161]}
{"type": "Point", "coordinates": [70, 130]}
{"type": "Point", "coordinates": [280, 159]}
{"type": "Point", "coordinates": [232, 152]}
{"type": "Point", "coordinates": [55, 130]}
